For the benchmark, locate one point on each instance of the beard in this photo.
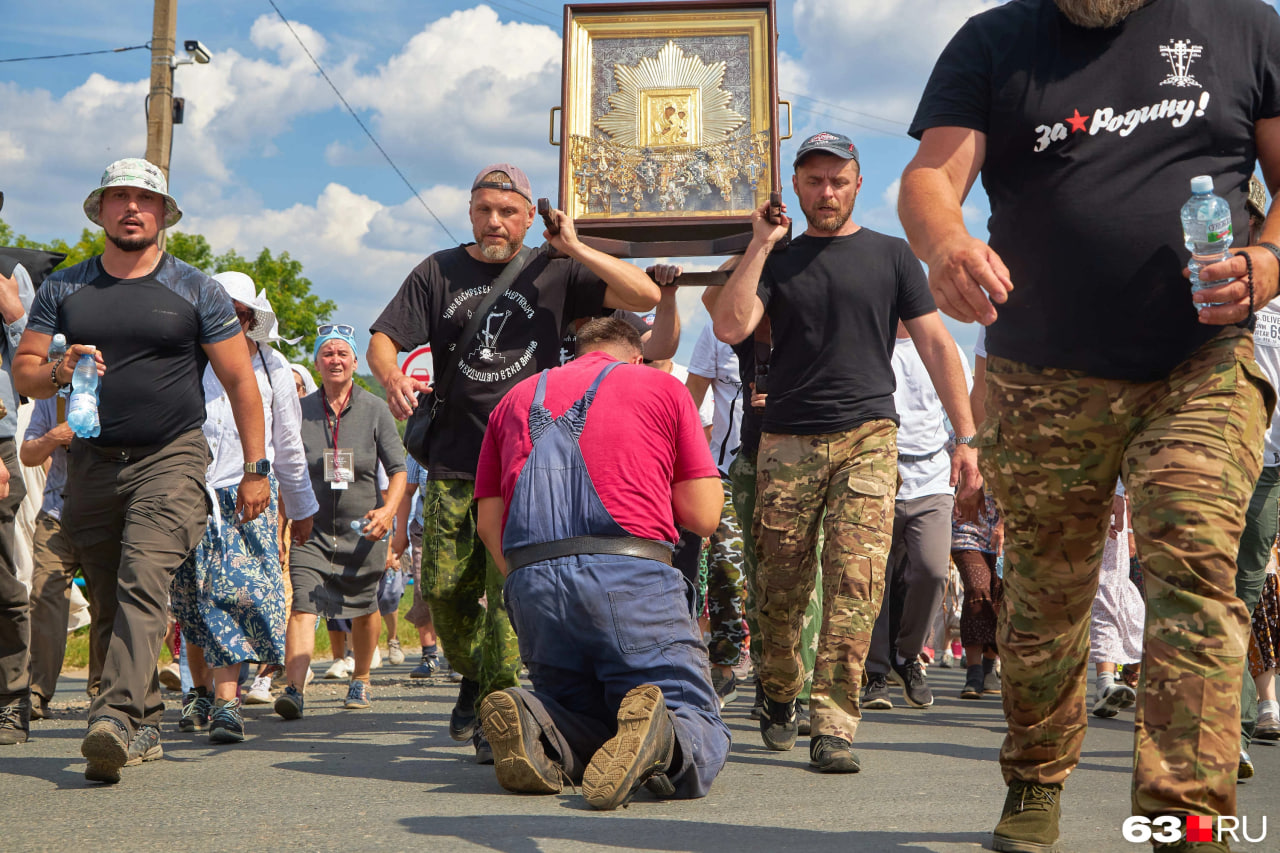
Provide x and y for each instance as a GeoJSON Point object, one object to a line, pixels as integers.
{"type": "Point", "coordinates": [502, 252]}
{"type": "Point", "coordinates": [1098, 14]}
{"type": "Point", "coordinates": [133, 244]}
{"type": "Point", "coordinates": [827, 220]}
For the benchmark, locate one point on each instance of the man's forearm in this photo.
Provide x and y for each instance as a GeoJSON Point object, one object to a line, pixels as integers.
{"type": "Point", "coordinates": [246, 408]}
{"type": "Point", "coordinates": [734, 310]}
{"type": "Point", "coordinates": [33, 452]}
{"type": "Point", "coordinates": [930, 209]}
{"type": "Point", "coordinates": [628, 286]}
{"type": "Point", "coordinates": [382, 354]}
{"type": "Point", "coordinates": [943, 363]}
{"type": "Point", "coordinates": [31, 376]}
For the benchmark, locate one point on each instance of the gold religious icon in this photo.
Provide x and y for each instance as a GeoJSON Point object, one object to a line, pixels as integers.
{"type": "Point", "coordinates": [668, 126]}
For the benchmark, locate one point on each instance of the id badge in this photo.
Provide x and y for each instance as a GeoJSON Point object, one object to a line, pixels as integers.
{"type": "Point", "coordinates": [339, 467]}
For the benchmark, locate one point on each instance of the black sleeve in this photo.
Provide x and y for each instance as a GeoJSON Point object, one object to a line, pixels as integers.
{"type": "Point", "coordinates": [764, 288]}
{"type": "Point", "coordinates": [584, 293]}
{"type": "Point", "coordinates": [43, 316]}
{"type": "Point", "coordinates": [407, 317]}
{"type": "Point", "coordinates": [1269, 64]}
{"type": "Point", "coordinates": [958, 93]}
{"type": "Point", "coordinates": [914, 298]}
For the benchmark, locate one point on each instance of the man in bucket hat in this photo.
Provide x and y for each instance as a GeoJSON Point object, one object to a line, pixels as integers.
{"type": "Point", "coordinates": [138, 507]}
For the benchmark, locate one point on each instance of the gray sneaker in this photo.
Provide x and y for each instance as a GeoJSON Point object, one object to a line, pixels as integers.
{"type": "Point", "coordinates": [15, 721]}
{"type": "Point", "coordinates": [226, 725]}
{"type": "Point", "coordinates": [915, 687]}
{"type": "Point", "coordinates": [875, 696]}
{"type": "Point", "coordinates": [196, 708]}
{"type": "Point", "coordinates": [145, 746]}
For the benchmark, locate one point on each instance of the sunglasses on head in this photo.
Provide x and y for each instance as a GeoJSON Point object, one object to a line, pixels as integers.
{"type": "Point", "coordinates": [341, 328]}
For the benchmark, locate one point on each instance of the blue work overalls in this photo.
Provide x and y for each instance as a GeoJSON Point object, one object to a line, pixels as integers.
{"type": "Point", "coordinates": [593, 626]}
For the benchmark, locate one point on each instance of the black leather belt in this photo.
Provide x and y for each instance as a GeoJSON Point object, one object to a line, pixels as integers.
{"type": "Point", "coordinates": [625, 546]}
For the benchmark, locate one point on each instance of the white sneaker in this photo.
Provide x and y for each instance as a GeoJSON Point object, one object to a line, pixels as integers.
{"type": "Point", "coordinates": [375, 663]}
{"type": "Point", "coordinates": [395, 654]}
{"type": "Point", "coordinates": [341, 668]}
{"type": "Point", "coordinates": [1113, 699]}
{"type": "Point", "coordinates": [260, 693]}
{"type": "Point", "coordinates": [310, 677]}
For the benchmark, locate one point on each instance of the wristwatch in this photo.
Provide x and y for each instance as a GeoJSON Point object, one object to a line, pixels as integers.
{"type": "Point", "coordinates": [262, 466]}
{"type": "Point", "coordinates": [966, 439]}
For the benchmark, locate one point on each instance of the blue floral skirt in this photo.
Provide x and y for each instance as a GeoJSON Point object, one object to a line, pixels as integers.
{"type": "Point", "coordinates": [228, 595]}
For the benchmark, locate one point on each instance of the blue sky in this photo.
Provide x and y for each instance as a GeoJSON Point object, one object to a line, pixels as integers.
{"type": "Point", "coordinates": [268, 156]}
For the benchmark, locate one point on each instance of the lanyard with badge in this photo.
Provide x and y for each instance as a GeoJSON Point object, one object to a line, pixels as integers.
{"type": "Point", "coordinates": [339, 462]}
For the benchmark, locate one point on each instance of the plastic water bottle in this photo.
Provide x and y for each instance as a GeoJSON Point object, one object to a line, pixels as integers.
{"type": "Point", "coordinates": [57, 347]}
{"type": "Point", "coordinates": [1206, 230]}
{"type": "Point", "coordinates": [359, 525]}
{"type": "Point", "coordinates": [82, 409]}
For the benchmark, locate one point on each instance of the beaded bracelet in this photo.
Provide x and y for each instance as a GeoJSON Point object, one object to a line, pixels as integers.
{"type": "Point", "coordinates": [1250, 320]}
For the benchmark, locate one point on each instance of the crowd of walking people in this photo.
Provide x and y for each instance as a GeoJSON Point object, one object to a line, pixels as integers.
{"type": "Point", "coordinates": [853, 504]}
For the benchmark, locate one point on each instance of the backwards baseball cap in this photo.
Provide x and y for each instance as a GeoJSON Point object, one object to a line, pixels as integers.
{"type": "Point", "coordinates": [133, 172]}
{"type": "Point", "coordinates": [827, 143]}
{"type": "Point", "coordinates": [518, 183]}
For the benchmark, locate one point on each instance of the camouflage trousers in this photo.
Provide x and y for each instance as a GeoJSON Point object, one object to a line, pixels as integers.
{"type": "Point", "coordinates": [743, 476]}
{"type": "Point", "coordinates": [1189, 449]}
{"type": "Point", "coordinates": [726, 586]}
{"type": "Point", "coordinates": [844, 484]}
{"type": "Point", "coordinates": [456, 573]}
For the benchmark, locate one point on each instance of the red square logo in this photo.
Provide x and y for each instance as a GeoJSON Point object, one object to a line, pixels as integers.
{"type": "Point", "coordinates": [1199, 828]}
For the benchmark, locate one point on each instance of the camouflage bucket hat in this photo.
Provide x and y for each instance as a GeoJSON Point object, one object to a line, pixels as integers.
{"type": "Point", "coordinates": [133, 172]}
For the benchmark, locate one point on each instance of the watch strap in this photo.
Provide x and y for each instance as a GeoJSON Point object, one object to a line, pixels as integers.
{"type": "Point", "coordinates": [1270, 247]}
{"type": "Point", "coordinates": [966, 439]}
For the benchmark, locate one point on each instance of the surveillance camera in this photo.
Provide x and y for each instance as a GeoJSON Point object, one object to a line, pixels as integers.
{"type": "Point", "coordinates": [198, 52]}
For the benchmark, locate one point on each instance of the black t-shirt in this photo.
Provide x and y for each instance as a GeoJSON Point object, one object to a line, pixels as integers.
{"type": "Point", "coordinates": [520, 337]}
{"type": "Point", "coordinates": [642, 323]}
{"type": "Point", "coordinates": [149, 331]}
{"type": "Point", "coordinates": [834, 305]}
{"type": "Point", "coordinates": [1092, 139]}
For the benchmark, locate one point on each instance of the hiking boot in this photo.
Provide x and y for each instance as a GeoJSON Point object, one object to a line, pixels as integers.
{"type": "Point", "coordinates": [803, 725]}
{"type": "Point", "coordinates": [395, 654]}
{"type": "Point", "coordinates": [145, 746]}
{"type": "Point", "coordinates": [15, 721]}
{"type": "Point", "coordinates": [915, 687]}
{"type": "Point", "coordinates": [990, 677]}
{"type": "Point", "coordinates": [226, 725]}
{"type": "Point", "coordinates": [972, 682]}
{"type": "Point", "coordinates": [427, 668]}
{"type": "Point", "coordinates": [196, 708]}
{"type": "Point", "coordinates": [1245, 770]}
{"type": "Point", "coordinates": [290, 704]}
{"type": "Point", "coordinates": [39, 708]}
{"type": "Point", "coordinates": [875, 696]}
{"type": "Point", "coordinates": [484, 751]}
{"type": "Point", "coordinates": [107, 747]}
{"type": "Point", "coordinates": [831, 754]}
{"type": "Point", "coordinates": [1111, 699]}
{"type": "Point", "coordinates": [778, 724]}
{"type": "Point", "coordinates": [757, 706]}
{"type": "Point", "coordinates": [462, 720]}
{"type": "Point", "coordinates": [515, 740]}
{"type": "Point", "coordinates": [726, 686]}
{"type": "Point", "coordinates": [644, 746]}
{"type": "Point", "coordinates": [1029, 821]}
{"type": "Point", "coordinates": [357, 696]}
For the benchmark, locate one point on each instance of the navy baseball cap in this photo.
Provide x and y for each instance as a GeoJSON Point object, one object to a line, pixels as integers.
{"type": "Point", "coordinates": [827, 143]}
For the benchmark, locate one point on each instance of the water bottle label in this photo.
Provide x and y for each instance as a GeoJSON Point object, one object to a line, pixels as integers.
{"type": "Point", "coordinates": [1218, 231]}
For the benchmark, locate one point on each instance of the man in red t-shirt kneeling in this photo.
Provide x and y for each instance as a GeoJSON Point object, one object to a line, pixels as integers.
{"type": "Point", "coordinates": [584, 473]}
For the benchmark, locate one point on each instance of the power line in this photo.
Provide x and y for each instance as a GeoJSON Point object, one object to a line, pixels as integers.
{"type": "Point", "coordinates": [366, 130]}
{"type": "Point", "coordinates": [895, 134]}
{"type": "Point", "coordinates": [82, 53]}
{"type": "Point", "coordinates": [525, 15]}
{"type": "Point", "coordinates": [846, 109]}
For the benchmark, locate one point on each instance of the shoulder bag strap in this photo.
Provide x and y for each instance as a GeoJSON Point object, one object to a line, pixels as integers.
{"type": "Point", "coordinates": [501, 285]}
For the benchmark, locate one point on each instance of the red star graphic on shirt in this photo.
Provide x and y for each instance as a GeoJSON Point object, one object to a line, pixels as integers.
{"type": "Point", "coordinates": [1077, 121]}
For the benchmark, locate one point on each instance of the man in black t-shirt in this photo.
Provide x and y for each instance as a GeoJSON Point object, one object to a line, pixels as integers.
{"type": "Point", "coordinates": [827, 453]}
{"type": "Point", "coordinates": [520, 337]}
{"type": "Point", "coordinates": [1087, 120]}
{"type": "Point", "coordinates": [138, 504]}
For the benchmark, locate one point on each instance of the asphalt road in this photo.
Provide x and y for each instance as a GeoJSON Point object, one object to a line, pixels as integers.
{"type": "Point", "coordinates": [391, 779]}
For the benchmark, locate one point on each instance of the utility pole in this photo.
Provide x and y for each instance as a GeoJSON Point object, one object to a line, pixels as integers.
{"type": "Point", "coordinates": [164, 27]}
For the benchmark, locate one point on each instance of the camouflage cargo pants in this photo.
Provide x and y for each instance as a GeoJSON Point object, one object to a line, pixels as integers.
{"type": "Point", "coordinates": [726, 586]}
{"type": "Point", "coordinates": [743, 474]}
{"type": "Point", "coordinates": [1189, 450]}
{"type": "Point", "coordinates": [456, 573]}
{"type": "Point", "coordinates": [844, 484]}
